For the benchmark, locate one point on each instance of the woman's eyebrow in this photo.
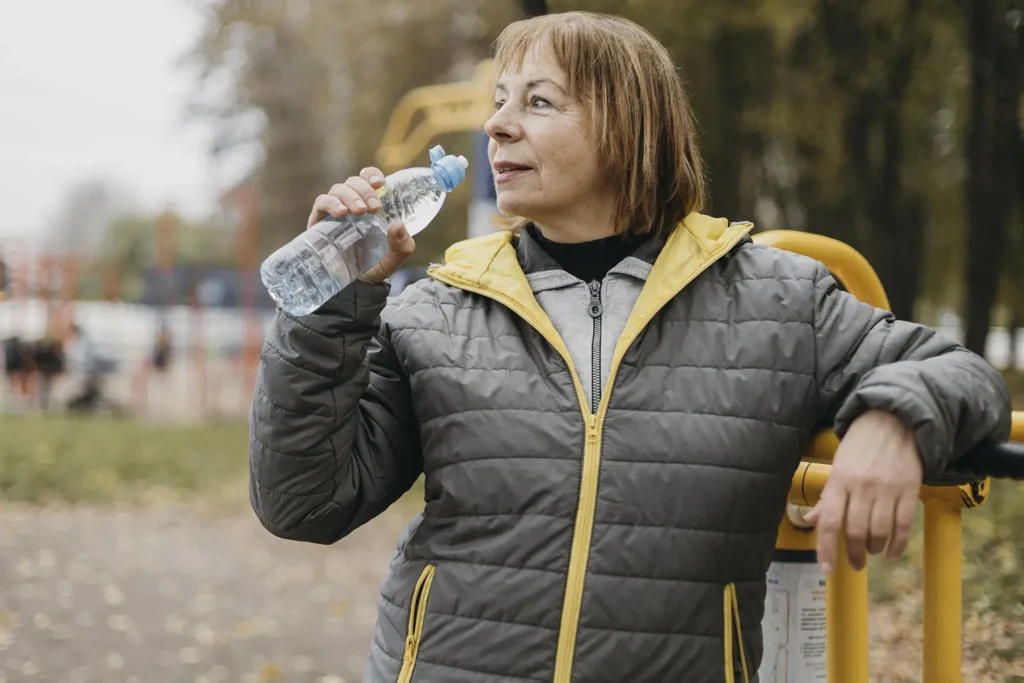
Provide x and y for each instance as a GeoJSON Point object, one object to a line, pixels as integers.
{"type": "Point", "coordinates": [538, 81]}
{"type": "Point", "coordinates": [532, 84]}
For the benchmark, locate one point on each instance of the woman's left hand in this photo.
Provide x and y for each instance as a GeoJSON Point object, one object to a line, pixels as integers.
{"type": "Point", "coordinates": [872, 492]}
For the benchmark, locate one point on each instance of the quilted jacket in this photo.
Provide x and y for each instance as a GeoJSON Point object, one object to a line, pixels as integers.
{"type": "Point", "coordinates": [598, 508]}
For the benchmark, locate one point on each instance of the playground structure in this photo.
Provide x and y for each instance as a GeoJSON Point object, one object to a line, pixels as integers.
{"type": "Point", "coordinates": [211, 352]}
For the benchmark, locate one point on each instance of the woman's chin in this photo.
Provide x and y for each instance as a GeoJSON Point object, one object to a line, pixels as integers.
{"type": "Point", "coordinates": [514, 207]}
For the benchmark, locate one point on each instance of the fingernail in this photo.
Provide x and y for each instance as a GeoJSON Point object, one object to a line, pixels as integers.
{"type": "Point", "coordinates": [359, 203]}
{"type": "Point", "coordinates": [374, 204]}
{"type": "Point", "coordinates": [826, 568]}
{"type": "Point", "coordinates": [375, 179]}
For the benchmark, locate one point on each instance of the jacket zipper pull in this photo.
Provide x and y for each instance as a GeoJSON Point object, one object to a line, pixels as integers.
{"type": "Point", "coordinates": [596, 309]}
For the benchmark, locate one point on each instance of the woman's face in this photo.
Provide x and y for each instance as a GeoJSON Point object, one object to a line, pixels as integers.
{"type": "Point", "coordinates": [542, 151]}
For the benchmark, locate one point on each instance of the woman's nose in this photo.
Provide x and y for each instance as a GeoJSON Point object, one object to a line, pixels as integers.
{"type": "Point", "coordinates": [502, 126]}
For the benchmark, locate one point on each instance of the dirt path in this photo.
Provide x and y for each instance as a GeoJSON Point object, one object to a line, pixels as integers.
{"type": "Point", "coordinates": [175, 596]}
{"type": "Point", "coordinates": [170, 596]}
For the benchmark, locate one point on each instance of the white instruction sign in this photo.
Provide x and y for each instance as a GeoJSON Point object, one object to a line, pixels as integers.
{"type": "Point", "coordinates": [794, 625]}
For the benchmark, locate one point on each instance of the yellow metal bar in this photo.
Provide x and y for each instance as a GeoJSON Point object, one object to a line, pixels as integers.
{"type": "Point", "coordinates": [942, 591]}
{"type": "Point", "coordinates": [847, 650]}
{"type": "Point", "coordinates": [810, 478]}
{"type": "Point", "coordinates": [846, 613]}
{"type": "Point", "coordinates": [823, 447]}
{"type": "Point", "coordinates": [843, 261]}
{"type": "Point", "coordinates": [445, 108]}
{"type": "Point", "coordinates": [847, 590]}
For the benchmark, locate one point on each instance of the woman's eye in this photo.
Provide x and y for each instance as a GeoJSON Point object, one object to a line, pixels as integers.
{"type": "Point", "coordinates": [538, 102]}
{"type": "Point", "coordinates": [498, 104]}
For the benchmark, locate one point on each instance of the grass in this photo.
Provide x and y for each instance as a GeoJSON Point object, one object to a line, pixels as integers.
{"type": "Point", "coordinates": [68, 460]}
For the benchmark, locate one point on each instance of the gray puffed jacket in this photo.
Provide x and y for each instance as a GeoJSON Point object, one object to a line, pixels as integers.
{"type": "Point", "coordinates": [605, 467]}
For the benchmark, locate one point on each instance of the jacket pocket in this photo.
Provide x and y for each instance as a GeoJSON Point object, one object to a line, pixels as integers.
{"type": "Point", "coordinates": [417, 613]}
{"type": "Point", "coordinates": [731, 619]}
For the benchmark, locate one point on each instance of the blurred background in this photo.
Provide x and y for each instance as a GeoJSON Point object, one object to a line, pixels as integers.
{"type": "Point", "coordinates": [153, 153]}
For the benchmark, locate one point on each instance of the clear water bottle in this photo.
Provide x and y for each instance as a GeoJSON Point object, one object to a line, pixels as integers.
{"type": "Point", "coordinates": [303, 274]}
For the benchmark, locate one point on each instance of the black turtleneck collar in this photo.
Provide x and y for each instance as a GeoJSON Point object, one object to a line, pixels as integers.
{"type": "Point", "coordinates": [588, 261]}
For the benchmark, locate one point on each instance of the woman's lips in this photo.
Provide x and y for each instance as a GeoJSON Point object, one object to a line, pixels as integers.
{"type": "Point", "coordinates": [508, 174]}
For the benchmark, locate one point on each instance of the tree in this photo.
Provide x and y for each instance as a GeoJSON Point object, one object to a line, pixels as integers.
{"type": "Point", "coordinates": [83, 217]}
{"type": "Point", "coordinates": [993, 141]}
{"type": "Point", "coordinates": [321, 79]}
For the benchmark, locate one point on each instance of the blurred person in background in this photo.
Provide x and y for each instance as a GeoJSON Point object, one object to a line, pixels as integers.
{"type": "Point", "coordinates": [18, 364]}
{"type": "Point", "coordinates": [49, 364]}
{"type": "Point", "coordinates": [85, 357]}
{"type": "Point", "coordinates": [161, 358]}
{"type": "Point", "coordinates": [607, 402]}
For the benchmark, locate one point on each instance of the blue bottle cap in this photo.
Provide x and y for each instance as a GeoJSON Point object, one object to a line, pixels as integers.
{"type": "Point", "coordinates": [449, 170]}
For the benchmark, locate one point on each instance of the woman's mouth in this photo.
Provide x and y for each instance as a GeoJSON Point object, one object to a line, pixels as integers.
{"type": "Point", "coordinates": [505, 171]}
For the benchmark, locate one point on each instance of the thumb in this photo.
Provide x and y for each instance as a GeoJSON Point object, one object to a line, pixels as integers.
{"type": "Point", "coordinates": [400, 246]}
{"type": "Point", "coordinates": [811, 517]}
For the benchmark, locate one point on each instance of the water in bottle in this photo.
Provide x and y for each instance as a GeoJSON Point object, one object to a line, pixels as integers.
{"type": "Point", "coordinates": [303, 274]}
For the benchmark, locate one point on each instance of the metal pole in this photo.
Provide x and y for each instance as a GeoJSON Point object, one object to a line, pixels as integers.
{"type": "Point", "coordinates": [942, 591]}
{"type": "Point", "coordinates": [847, 620]}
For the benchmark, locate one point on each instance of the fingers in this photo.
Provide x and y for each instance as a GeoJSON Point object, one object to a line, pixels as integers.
{"type": "Point", "coordinates": [350, 197]}
{"type": "Point", "coordinates": [373, 176]}
{"type": "Point", "coordinates": [365, 191]}
{"type": "Point", "coordinates": [906, 506]}
{"type": "Point", "coordinates": [858, 524]}
{"type": "Point", "coordinates": [324, 206]}
{"type": "Point", "coordinates": [828, 516]}
{"type": "Point", "coordinates": [880, 529]}
{"type": "Point", "coordinates": [356, 195]}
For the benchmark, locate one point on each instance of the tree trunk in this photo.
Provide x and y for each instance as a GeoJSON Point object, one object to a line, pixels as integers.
{"type": "Point", "coordinates": [991, 133]}
{"type": "Point", "coordinates": [896, 217]}
{"type": "Point", "coordinates": [1016, 331]}
{"type": "Point", "coordinates": [744, 63]}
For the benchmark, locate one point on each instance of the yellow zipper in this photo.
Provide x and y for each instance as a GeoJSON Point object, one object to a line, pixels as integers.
{"type": "Point", "coordinates": [417, 613]}
{"type": "Point", "coordinates": [585, 511]}
{"type": "Point", "coordinates": [730, 614]}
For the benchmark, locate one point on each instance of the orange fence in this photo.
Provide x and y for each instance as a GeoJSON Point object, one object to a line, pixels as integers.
{"type": "Point", "coordinates": [213, 350]}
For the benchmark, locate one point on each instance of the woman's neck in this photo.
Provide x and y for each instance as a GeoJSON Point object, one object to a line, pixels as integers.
{"type": "Point", "coordinates": [583, 224]}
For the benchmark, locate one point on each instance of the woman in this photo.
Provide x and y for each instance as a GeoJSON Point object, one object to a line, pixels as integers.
{"type": "Point", "coordinates": [607, 404]}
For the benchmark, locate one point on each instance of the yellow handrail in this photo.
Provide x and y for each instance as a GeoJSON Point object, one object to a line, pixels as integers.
{"type": "Point", "coordinates": [943, 584]}
{"type": "Point", "coordinates": [847, 590]}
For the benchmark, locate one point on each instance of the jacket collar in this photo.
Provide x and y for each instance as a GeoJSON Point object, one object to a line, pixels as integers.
{"type": "Point", "coordinates": [544, 273]}
{"type": "Point", "coordinates": [500, 262]}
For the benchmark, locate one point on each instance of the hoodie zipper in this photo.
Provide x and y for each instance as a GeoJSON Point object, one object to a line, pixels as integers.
{"type": "Point", "coordinates": [596, 310]}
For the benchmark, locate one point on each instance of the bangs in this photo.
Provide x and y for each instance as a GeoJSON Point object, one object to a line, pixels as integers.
{"type": "Point", "coordinates": [568, 39]}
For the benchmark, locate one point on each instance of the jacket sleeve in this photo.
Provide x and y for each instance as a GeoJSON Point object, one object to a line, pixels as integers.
{"type": "Point", "coordinates": [867, 360]}
{"type": "Point", "coordinates": [333, 440]}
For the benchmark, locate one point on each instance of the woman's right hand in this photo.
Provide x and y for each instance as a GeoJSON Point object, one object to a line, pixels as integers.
{"type": "Point", "coordinates": [358, 195]}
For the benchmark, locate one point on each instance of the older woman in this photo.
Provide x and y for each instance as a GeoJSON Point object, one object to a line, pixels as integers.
{"type": "Point", "coordinates": [607, 403]}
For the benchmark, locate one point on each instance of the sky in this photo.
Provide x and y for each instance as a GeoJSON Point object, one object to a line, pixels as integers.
{"type": "Point", "coordinates": [91, 89]}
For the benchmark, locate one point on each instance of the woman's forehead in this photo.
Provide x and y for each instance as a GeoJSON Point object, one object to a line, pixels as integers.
{"type": "Point", "coordinates": [536, 63]}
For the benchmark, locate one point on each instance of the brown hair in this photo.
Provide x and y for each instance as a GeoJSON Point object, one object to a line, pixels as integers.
{"type": "Point", "coordinates": [637, 106]}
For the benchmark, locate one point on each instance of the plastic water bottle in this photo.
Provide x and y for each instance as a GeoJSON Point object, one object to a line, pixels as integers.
{"type": "Point", "coordinates": [303, 274]}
